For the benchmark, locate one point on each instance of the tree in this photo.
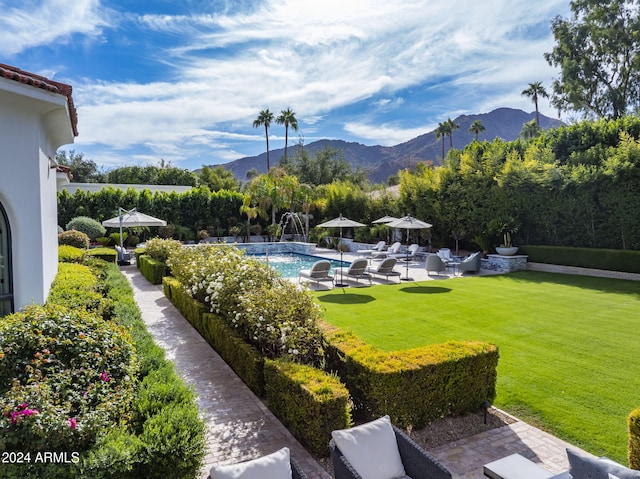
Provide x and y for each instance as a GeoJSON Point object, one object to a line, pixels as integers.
{"type": "Point", "coordinates": [530, 130]}
{"type": "Point", "coordinates": [535, 91]}
{"type": "Point", "coordinates": [441, 132]}
{"type": "Point", "coordinates": [451, 126]}
{"type": "Point", "coordinates": [264, 119]}
{"type": "Point", "coordinates": [476, 128]}
{"type": "Point", "coordinates": [288, 119]}
{"type": "Point", "coordinates": [598, 53]}
{"type": "Point", "coordinates": [83, 170]}
{"type": "Point", "coordinates": [218, 178]}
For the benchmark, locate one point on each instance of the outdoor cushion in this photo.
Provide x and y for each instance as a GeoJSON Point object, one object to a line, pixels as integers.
{"type": "Point", "coordinates": [274, 466]}
{"type": "Point", "coordinates": [584, 467]}
{"type": "Point", "coordinates": [375, 439]}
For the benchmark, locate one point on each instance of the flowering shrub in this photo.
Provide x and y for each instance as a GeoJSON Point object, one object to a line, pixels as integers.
{"type": "Point", "coordinates": [74, 238]}
{"type": "Point", "coordinates": [160, 249]}
{"type": "Point", "coordinates": [65, 374]}
{"type": "Point", "coordinates": [271, 313]}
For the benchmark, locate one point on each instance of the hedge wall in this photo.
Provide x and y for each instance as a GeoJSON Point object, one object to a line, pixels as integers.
{"type": "Point", "coordinates": [151, 269]}
{"type": "Point", "coordinates": [633, 422]}
{"type": "Point", "coordinates": [627, 261]}
{"type": "Point", "coordinates": [415, 386]}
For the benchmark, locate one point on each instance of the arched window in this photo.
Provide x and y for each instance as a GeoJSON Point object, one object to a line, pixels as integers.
{"type": "Point", "coordinates": [6, 286]}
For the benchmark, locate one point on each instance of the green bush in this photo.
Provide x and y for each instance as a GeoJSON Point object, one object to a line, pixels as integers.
{"type": "Point", "coordinates": [415, 386]}
{"type": "Point", "coordinates": [607, 259]}
{"type": "Point", "coordinates": [152, 269]}
{"type": "Point", "coordinates": [310, 402]}
{"type": "Point", "coordinates": [160, 249]}
{"type": "Point", "coordinates": [74, 238]}
{"type": "Point", "coordinates": [107, 254]}
{"type": "Point", "coordinates": [76, 286]}
{"type": "Point", "coordinates": [139, 252]}
{"type": "Point", "coordinates": [92, 228]}
{"type": "Point", "coordinates": [71, 254]}
{"type": "Point", "coordinates": [633, 422]}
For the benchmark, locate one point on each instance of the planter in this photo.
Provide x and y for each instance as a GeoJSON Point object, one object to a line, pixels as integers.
{"type": "Point", "coordinates": [507, 251]}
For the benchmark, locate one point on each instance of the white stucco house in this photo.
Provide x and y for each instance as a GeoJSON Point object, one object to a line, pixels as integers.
{"type": "Point", "coordinates": [37, 116]}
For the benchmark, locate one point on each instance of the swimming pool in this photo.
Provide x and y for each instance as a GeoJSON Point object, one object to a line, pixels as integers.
{"type": "Point", "coordinates": [290, 264]}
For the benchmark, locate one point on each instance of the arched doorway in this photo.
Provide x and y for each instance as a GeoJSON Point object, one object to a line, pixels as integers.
{"type": "Point", "coordinates": [6, 278]}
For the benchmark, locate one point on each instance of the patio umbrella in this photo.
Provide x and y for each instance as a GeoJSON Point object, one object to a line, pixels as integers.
{"type": "Point", "coordinates": [340, 222]}
{"type": "Point", "coordinates": [132, 218]}
{"type": "Point", "coordinates": [385, 219]}
{"type": "Point", "coordinates": [409, 223]}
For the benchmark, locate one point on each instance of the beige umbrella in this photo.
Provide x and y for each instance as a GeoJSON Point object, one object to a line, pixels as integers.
{"type": "Point", "coordinates": [132, 218]}
{"type": "Point", "coordinates": [341, 222]}
{"type": "Point", "coordinates": [409, 223]}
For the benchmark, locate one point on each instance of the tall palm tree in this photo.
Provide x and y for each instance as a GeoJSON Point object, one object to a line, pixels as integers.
{"type": "Point", "coordinates": [288, 119]}
{"type": "Point", "coordinates": [441, 132]}
{"type": "Point", "coordinates": [476, 127]}
{"type": "Point", "coordinates": [451, 126]}
{"type": "Point", "coordinates": [265, 118]}
{"type": "Point", "coordinates": [535, 91]}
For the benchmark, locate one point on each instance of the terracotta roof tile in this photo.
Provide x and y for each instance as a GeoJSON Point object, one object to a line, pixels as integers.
{"type": "Point", "coordinates": [37, 81]}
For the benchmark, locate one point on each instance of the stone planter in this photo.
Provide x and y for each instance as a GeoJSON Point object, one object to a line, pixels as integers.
{"type": "Point", "coordinates": [507, 251]}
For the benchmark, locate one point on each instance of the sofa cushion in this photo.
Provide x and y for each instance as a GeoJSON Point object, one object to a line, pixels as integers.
{"type": "Point", "coordinates": [375, 439]}
{"type": "Point", "coordinates": [584, 467]}
{"type": "Point", "coordinates": [276, 465]}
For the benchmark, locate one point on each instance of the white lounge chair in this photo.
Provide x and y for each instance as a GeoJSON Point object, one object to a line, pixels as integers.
{"type": "Point", "coordinates": [319, 272]}
{"type": "Point", "coordinates": [445, 254]}
{"type": "Point", "coordinates": [376, 249]}
{"type": "Point", "coordinates": [394, 248]}
{"type": "Point", "coordinates": [357, 270]}
{"type": "Point", "coordinates": [385, 268]}
{"type": "Point", "coordinates": [409, 255]}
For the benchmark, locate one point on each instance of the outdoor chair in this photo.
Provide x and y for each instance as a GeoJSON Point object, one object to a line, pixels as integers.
{"type": "Point", "coordinates": [319, 272]}
{"type": "Point", "coordinates": [278, 465]}
{"type": "Point", "coordinates": [409, 255]}
{"type": "Point", "coordinates": [435, 264]}
{"type": "Point", "coordinates": [393, 249]}
{"type": "Point", "coordinates": [357, 270]}
{"type": "Point", "coordinates": [376, 249]}
{"type": "Point", "coordinates": [384, 268]}
{"type": "Point", "coordinates": [124, 257]}
{"type": "Point", "coordinates": [379, 449]}
{"type": "Point", "coordinates": [445, 254]}
{"type": "Point", "coordinates": [471, 263]}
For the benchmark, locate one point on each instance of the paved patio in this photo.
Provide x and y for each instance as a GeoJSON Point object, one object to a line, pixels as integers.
{"type": "Point", "coordinates": [240, 427]}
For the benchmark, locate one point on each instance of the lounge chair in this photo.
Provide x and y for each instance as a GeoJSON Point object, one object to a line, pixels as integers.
{"type": "Point", "coordinates": [408, 255]}
{"type": "Point", "coordinates": [471, 263]}
{"type": "Point", "coordinates": [435, 263]}
{"type": "Point", "coordinates": [279, 464]}
{"type": "Point", "coordinates": [445, 254]}
{"type": "Point", "coordinates": [357, 270]}
{"type": "Point", "coordinates": [318, 272]}
{"type": "Point", "coordinates": [385, 268]}
{"type": "Point", "coordinates": [393, 249]}
{"type": "Point", "coordinates": [124, 257]}
{"type": "Point", "coordinates": [396, 454]}
{"type": "Point", "coordinates": [376, 249]}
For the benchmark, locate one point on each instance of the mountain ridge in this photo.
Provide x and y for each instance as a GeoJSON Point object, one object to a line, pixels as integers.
{"type": "Point", "coordinates": [380, 162]}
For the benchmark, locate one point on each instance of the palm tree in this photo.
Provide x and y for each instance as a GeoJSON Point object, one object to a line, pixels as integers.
{"type": "Point", "coordinates": [534, 91]}
{"type": "Point", "coordinates": [451, 126]}
{"type": "Point", "coordinates": [476, 127]}
{"type": "Point", "coordinates": [288, 119]}
{"type": "Point", "coordinates": [441, 132]}
{"type": "Point", "coordinates": [530, 130]}
{"type": "Point", "coordinates": [265, 118]}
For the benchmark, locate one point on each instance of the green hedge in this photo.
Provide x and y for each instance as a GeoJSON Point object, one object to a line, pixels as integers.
{"type": "Point", "coordinates": [415, 386]}
{"type": "Point", "coordinates": [191, 309]}
{"type": "Point", "coordinates": [633, 422]}
{"type": "Point", "coordinates": [109, 255]}
{"type": "Point", "coordinates": [151, 269]}
{"type": "Point", "coordinates": [310, 402]}
{"type": "Point", "coordinates": [627, 261]}
{"type": "Point", "coordinates": [137, 253]}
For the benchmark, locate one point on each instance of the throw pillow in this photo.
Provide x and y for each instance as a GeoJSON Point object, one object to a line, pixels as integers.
{"type": "Point", "coordinates": [276, 465]}
{"type": "Point", "coordinates": [584, 467]}
{"type": "Point", "coordinates": [375, 439]}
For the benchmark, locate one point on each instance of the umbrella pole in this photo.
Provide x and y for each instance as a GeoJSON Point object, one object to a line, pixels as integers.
{"type": "Point", "coordinates": [407, 261]}
{"type": "Point", "coordinates": [341, 285]}
{"type": "Point", "coordinates": [121, 242]}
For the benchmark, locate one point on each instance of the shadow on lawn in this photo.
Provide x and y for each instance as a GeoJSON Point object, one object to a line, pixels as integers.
{"type": "Point", "coordinates": [421, 289]}
{"type": "Point", "coordinates": [346, 298]}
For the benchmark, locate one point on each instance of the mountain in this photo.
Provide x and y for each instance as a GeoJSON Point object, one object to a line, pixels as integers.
{"type": "Point", "coordinates": [380, 162]}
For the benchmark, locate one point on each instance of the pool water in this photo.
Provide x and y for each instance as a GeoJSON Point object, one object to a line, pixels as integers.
{"type": "Point", "coordinates": [290, 264]}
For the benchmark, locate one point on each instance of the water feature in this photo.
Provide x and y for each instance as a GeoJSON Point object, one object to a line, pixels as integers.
{"type": "Point", "coordinates": [296, 224]}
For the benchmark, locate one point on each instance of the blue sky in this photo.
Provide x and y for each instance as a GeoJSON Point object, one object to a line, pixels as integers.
{"type": "Point", "coordinates": [183, 80]}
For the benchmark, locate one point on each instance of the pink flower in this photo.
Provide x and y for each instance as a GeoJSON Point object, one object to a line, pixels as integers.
{"type": "Point", "coordinates": [72, 423]}
{"type": "Point", "coordinates": [105, 377]}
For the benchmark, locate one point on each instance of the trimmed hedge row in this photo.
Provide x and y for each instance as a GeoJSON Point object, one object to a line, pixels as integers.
{"type": "Point", "coordinates": [415, 386]}
{"type": "Point", "coordinates": [309, 404]}
{"type": "Point", "coordinates": [319, 396]}
{"type": "Point", "coordinates": [633, 422]}
{"type": "Point", "coordinates": [151, 269]}
{"type": "Point", "coordinates": [109, 255]}
{"type": "Point", "coordinates": [627, 261]}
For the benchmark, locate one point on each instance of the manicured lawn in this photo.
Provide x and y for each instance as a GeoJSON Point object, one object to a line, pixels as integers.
{"type": "Point", "coordinates": [569, 345]}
